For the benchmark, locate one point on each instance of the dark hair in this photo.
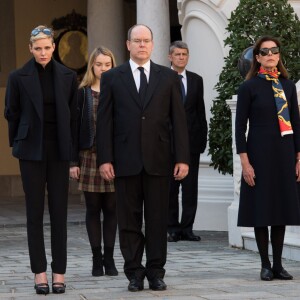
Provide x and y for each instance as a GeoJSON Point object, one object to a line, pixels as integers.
{"type": "Point", "coordinates": [178, 44]}
{"type": "Point", "coordinates": [136, 25]}
{"type": "Point", "coordinates": [255, 65]}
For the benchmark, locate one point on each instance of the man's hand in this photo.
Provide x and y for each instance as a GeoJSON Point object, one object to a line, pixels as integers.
{"type": "Point", "coordinates": [107, 171]}
{"type": "Point", "coordinates": [180, 171]}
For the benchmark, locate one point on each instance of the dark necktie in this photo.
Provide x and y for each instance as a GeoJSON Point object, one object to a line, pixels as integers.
{"type": "Point", "coordinates": [182, 88]}
{"type": "Point", "coordinates": [143, 85]}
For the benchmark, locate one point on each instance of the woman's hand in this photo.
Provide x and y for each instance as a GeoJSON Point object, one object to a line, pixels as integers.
{"type": "Point", "coordinates": [298, 170]}
{"type": "Point", "coordinates": [247, 170]}
{"type": "Point", "coordinates": [74, 172]}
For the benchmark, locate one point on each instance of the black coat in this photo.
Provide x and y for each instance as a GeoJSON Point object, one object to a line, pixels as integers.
{"type": "Point", "coordinates": [132, 137]}
{"type": "Point", "coordinates": [274, 200]}
{"type": "Point", "coordinates": [24, 111]}
{"type": "Point", "coordinates": [195, 113]}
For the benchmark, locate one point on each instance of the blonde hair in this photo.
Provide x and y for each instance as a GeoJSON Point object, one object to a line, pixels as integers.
{"type": "Point", "coordinates": [89, 77]}
{"type": "Point", "coordinates": [41, 34]}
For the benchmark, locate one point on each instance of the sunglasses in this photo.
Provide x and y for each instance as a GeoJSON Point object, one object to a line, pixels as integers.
{"type": "Point", "coordinates": [36, 31]}
{"type": "Point", "coordinates": [265, 51]}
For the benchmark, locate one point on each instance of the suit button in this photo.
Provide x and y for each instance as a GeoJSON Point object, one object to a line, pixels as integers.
{"type": "Point", "coordinates": [143, 118]}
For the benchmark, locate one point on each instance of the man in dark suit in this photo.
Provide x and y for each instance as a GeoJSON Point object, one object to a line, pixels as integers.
{"type": "Point", "coordinates": [137, 109]}
{"type": "Point", "coordinates": [192, 97]}
{"type": "Point", "coordinates": [41, 110]}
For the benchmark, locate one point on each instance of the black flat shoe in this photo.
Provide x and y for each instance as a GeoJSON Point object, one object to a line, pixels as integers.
{"type": "Point", "coordinates": [135, 285]}
{"type": "Point", "coordinates": [266, 274]}
{"type": "Point", "coordinates": [190, 236]}
{"type": "Point", "coordinates": [283, 275]}
{"type": "Point", "coordinates": [157, 284]}
{"type": "Point", "coordinates": [41, 288]}
{"type": "Point", "coordinates": [174, 237]}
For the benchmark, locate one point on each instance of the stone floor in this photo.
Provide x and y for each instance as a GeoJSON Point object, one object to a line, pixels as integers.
{"type": "Point", "coordinates": [209, 269]}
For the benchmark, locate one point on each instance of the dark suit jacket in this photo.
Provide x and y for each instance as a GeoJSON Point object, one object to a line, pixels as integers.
{"type": "Point", "coordinates": [24, 111]}
{"type": "Point", "coordinates": [195, 113]}
{"type": "Point", "coordinates": [133, 137]}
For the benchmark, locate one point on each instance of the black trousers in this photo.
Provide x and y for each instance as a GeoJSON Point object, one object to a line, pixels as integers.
{"type": "Point", "coordinates": [143, 193]}
{"type": "Point", "coordinates": [189, 187]}
{"type": "Point", "coordinates": [52, 174]}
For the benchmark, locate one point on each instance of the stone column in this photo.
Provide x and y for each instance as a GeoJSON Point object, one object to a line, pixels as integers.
{"type": "Point", "coordinates": [234, 232]}
{"type": "Point", "coordinates": [155, 14]}
{"type": "Point", "coordinates": [106, 27]}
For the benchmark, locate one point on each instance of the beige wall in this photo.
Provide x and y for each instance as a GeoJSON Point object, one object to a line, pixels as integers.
{"type": "Point", "coordinates": [29, 14]}
{"type": "Point", "coordinates": [8, 164]}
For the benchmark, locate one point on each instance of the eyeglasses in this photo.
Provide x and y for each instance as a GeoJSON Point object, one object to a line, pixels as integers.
{"type": "Point", "coordinates": [265, 51]}
{"type": "Point", "coordinates": [36, 31]}
{"type": "Point", "coordinates": [138, 41]}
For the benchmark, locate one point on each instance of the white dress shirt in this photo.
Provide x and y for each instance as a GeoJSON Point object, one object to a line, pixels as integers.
{"type": "Point", "coordinates": [136, 72]}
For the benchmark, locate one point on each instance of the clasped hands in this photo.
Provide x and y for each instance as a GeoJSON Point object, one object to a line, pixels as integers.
{"type": "Point", "coordinates": [107, 171]}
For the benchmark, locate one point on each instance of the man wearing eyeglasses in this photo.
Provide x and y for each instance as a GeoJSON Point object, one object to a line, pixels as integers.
{"type": "Point", "coordinates": [41, 110]}
{"type": "Point", "coordinates": [139, 102]}
{"type": "Point", "coordinates": [192, 97]}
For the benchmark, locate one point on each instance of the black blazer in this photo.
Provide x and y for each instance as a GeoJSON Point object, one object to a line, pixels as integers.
{"type": "Point", "coordinates": [133, 137]}
{"type": "Point", "coordinates": [24, 111]}
{"type": "Point", "coordinates": [195, 113]}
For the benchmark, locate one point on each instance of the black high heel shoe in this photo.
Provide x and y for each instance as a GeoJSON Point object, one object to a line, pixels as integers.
{"type": "Point", "coordinates": [58, 287]}
{"type": "Point", "coordinates": [41, 288]}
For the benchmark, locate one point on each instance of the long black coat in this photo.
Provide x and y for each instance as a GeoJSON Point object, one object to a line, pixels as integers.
{"type": "Point", "coordinates": [24, 111]}
{"type": "Point", "coordinates": [195, 113]}
{"type": "Point", "coordinates": [132, 137]}
{"type": "Point", "coordinates": [274, 200]}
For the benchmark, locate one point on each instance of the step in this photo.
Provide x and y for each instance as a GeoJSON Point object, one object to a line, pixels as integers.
{"type": "Point", "coordinates": [291, 249]}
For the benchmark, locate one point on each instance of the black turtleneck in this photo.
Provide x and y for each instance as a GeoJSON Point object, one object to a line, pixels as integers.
{"type": "Point", "coordinates": [47, 85]}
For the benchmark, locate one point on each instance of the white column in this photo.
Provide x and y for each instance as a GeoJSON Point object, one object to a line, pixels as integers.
{"type": "Point", "coordinates": [105, 27]}
{"type": "Point", "coordinates": [234, 232]}
{"type": "Point", "coordinates": [155, 14]}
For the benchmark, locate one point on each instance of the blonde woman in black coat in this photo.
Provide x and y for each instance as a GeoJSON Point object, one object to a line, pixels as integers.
{"type": "Point", "coordinates": [99, 194]}
{"type": "Point", "coordinates": [41, 110]}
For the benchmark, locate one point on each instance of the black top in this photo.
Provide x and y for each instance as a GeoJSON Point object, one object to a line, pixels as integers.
{"type": "Point", "coordinates": [47, 85]}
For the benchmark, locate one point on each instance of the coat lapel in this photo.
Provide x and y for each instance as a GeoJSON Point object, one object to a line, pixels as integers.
{"type": "Point", "coordinates": [127, 77]}
{"type": "Point", "coordinates": [189, 82]}
{"type": "Point", "coordinates": [59, 88]}
{"type": "Point", "coordinates": [31, 84]}
{"type": "Point", "coordinates": [153, 81]}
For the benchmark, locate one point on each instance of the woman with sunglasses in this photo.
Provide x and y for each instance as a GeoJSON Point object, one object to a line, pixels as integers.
{"type": "Point", "coordinates": [41, 110]}
{"type": "Point", "coordinates": [99, 194]}
{"type": "Point", "coordinates": [270, 155]}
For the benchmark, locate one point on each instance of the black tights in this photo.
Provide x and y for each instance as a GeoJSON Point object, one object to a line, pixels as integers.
{"type": "Point", "coordinates": [277, 239]}
{"type": "Point", "coordinates": [95, 203]}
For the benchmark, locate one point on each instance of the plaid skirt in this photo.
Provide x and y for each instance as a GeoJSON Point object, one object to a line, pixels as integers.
{"type": "Point", "coordinates": [90, 179]}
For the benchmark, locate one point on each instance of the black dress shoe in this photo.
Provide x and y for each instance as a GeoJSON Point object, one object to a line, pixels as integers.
{"type": "Point", "coordinates": [266, 274]}
{"type": "Point", "coordinates": [189, 236]}
{"type": "Point", "coordinates": [135, 285]}
{"type": "Point", "coordinates": [41, 288]}
{"type": "Point", "coordinates": [283, 275]}
{"type": "Point", "coordinates": [174, 237]}
{"type": "Point", "coordinates": [157, 284]}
